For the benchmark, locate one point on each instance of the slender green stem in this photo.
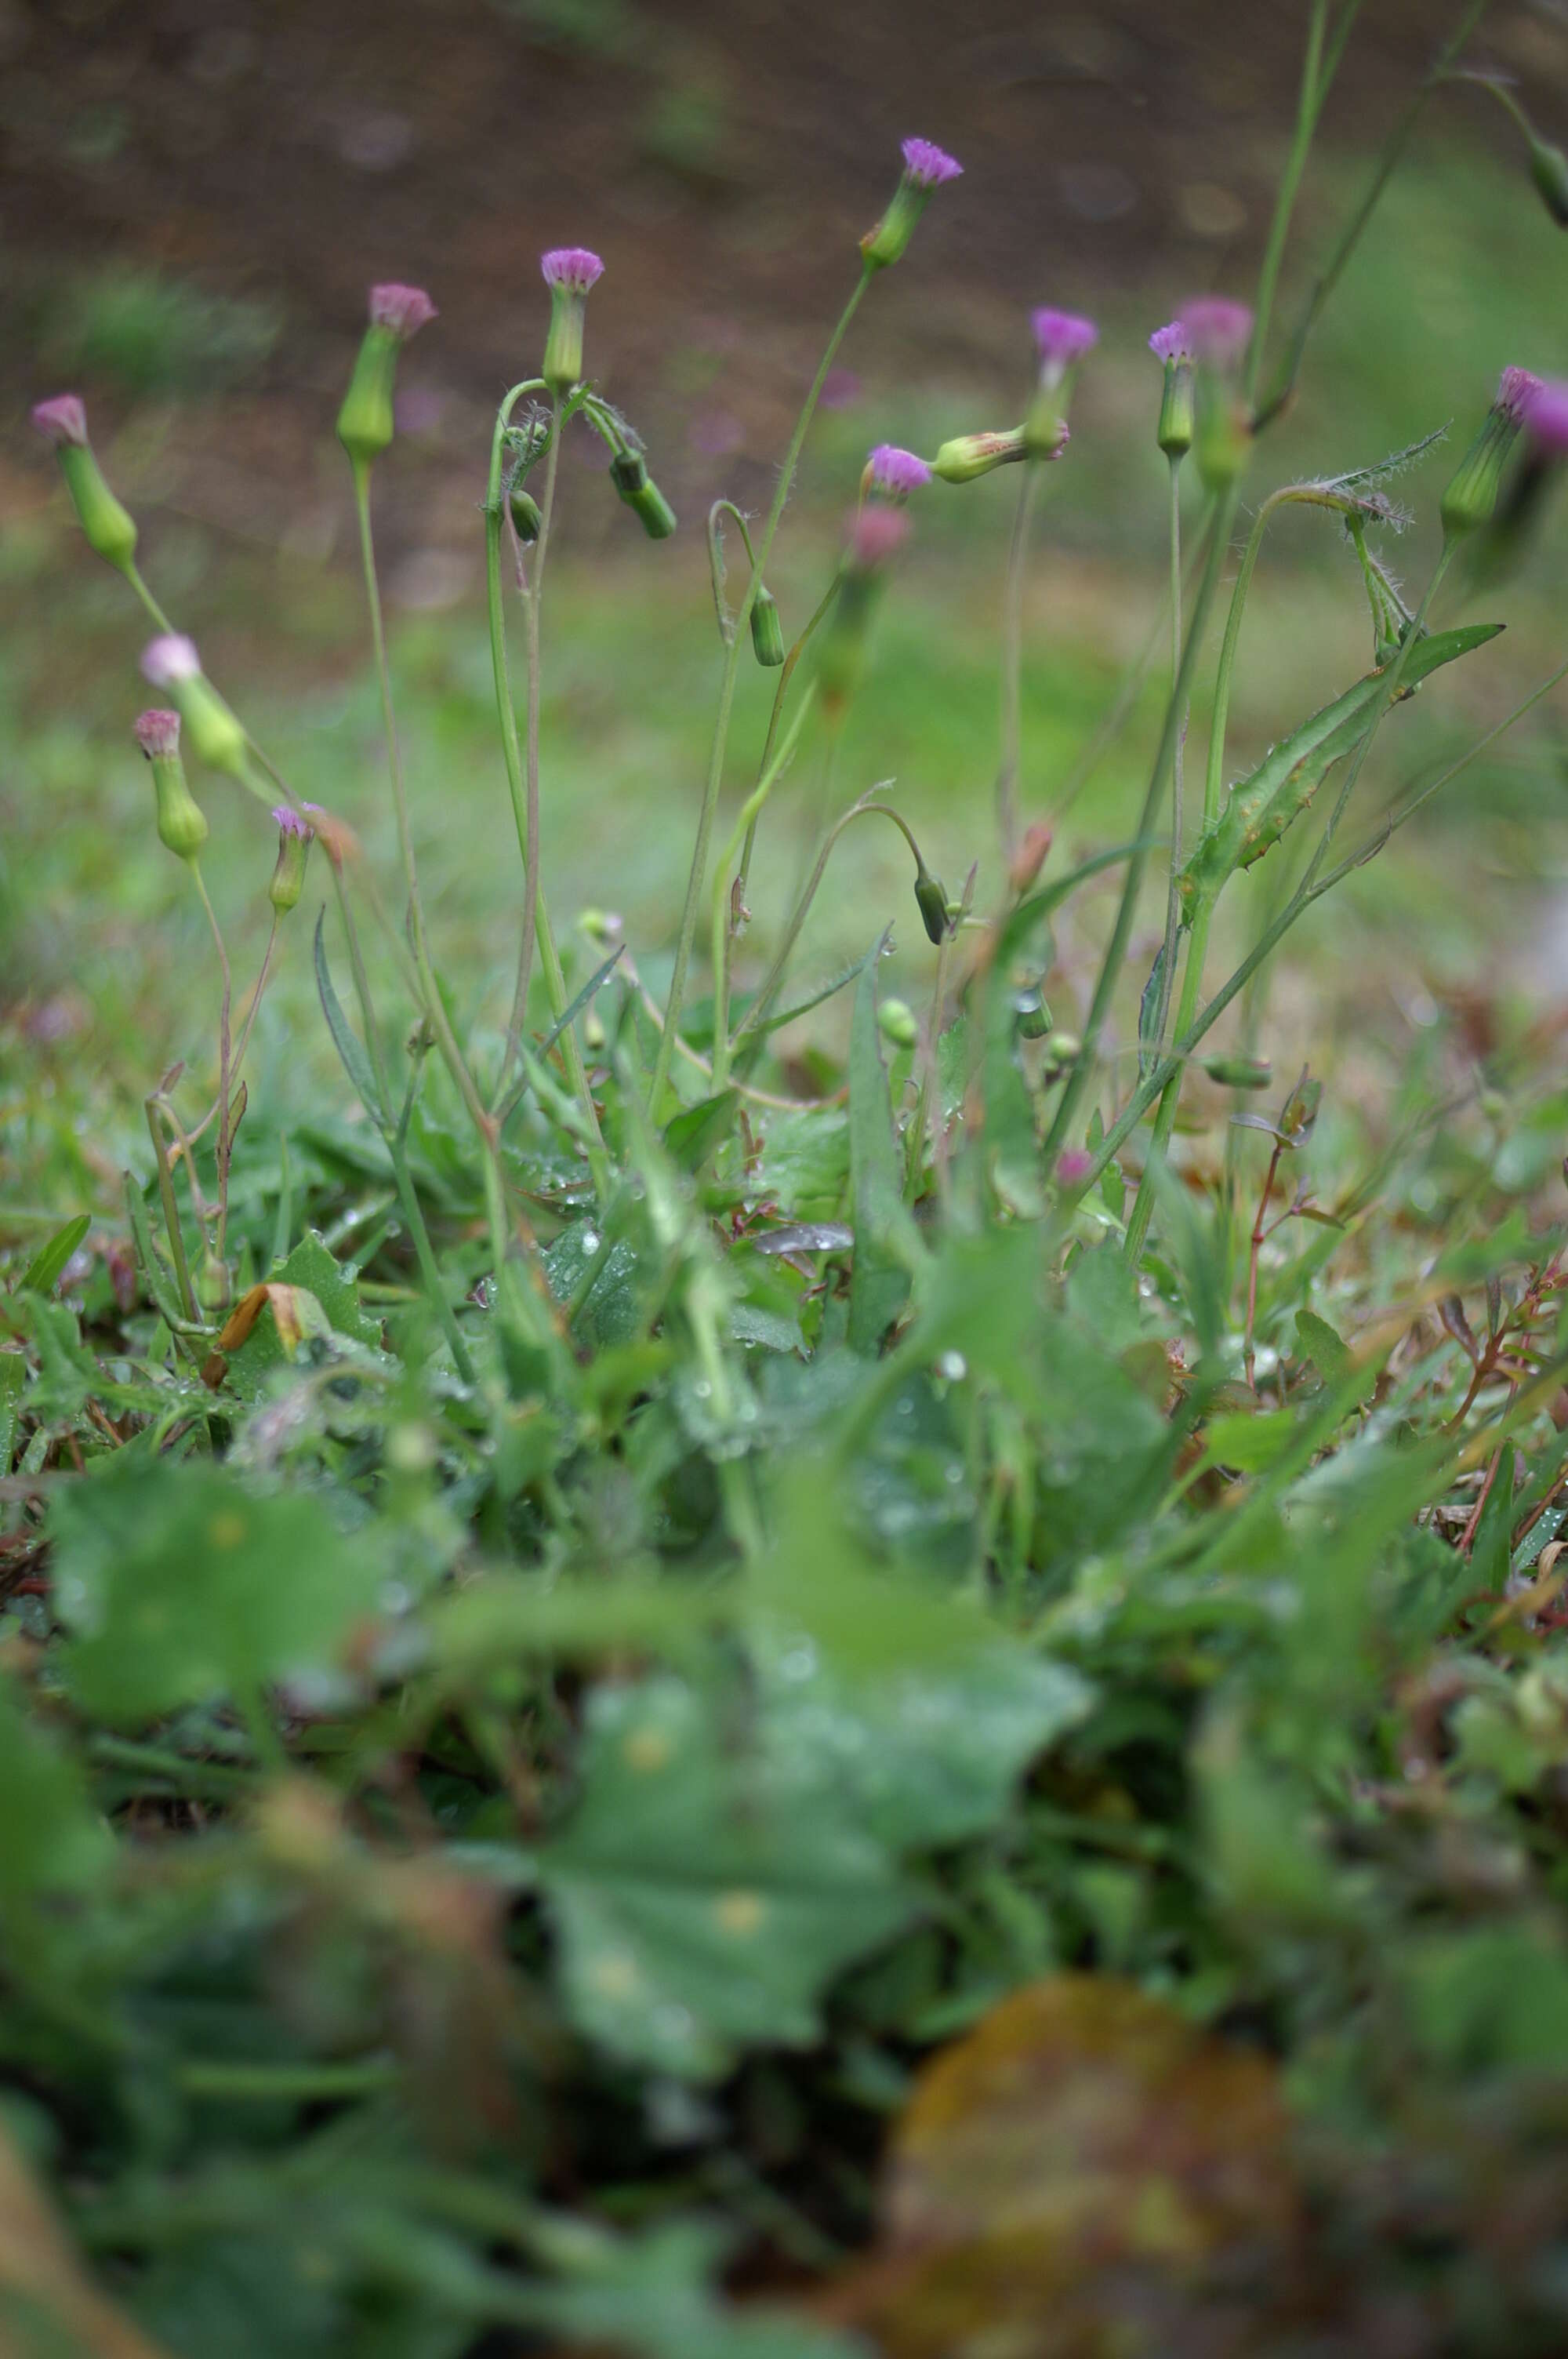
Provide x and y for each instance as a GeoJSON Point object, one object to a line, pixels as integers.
{"type": "Point", "coordinates": [727, 697]}
{"type": "Point", "coordinates": [424, 1254]}
{"type": "Point", "coordinates": [153, 610]}
{"type": "Point", "coordinates": [1012, 663]}
{"type": "Point", "coordinates": [170, 1213]}
{"type": "Point", "coordinates": [1389, 159]}
{"type": "Point", "coordinates": [744, 825]}
{"type": "Point", "coordinates": [1309, 106]}
{"type": "Point", "coordinates": [225, 2081]}
{"type": "Point", "coordinates": [915, 1159]}
{"type": "Point", "coordinates": [757, 1012]}
{"type": "Point", "coordinates": [531, 849]}
{"type": "Point", "coordinates": [1116, 949]}
{"type": "Point", "coordinates": [224, 1070]}
{"type": "Point", "coordinates": [1173, 898]}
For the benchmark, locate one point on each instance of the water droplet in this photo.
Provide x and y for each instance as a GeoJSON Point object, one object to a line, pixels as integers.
{"type": "Point", "coordinates": [702, 1389]}
{"type": "Point", "coordinates": [590, 1241]}
{"type": "Point", "coordinates": [952, 1367]}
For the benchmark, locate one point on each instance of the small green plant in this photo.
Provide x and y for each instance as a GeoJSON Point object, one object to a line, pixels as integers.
{"type": "Point", "coordinates": [625, 1689]}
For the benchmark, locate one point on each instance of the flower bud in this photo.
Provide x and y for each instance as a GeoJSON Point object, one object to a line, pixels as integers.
{"type": "Point", "coordinates": [1239, 1073]}
{"type": "Point", "coordinates": [629, 473]}
{"type": "Point", "coordinates": [1174, 431]}
{"type": "Point", "coordinates": [569, 272]}
{"type": "Point", "coordinates": [213, 1287]}
{"type": "Point", "coordinates": [1032, 1018]}
{"type": "Point", "coordinates": [894, 474]}
{"type": "Point", "coordinates": [1217, 333]}
{"type": "Point", "coordinates": [969, 455]}
{"type": "Point", "coordinates": [295, 837]}
{"type": "Point", "coordinates": [767, 633]}
{"type": "Point", "coordinates": [108, 528]}
{"type": "Point", "coordinates": [1064, 1049]}
{"type": "Point", "coordinates": [181, 823]}
{"type": "Point", "coordinates": [895, 1021]}
{"type": "Point", "coordinates": [1061, 339]}
{"type": "Point", "coordinates": [216, 734]}
{"type": "Point", "coordinates": [931, 900]}
{"type": "Point", "coordinates": [364, 421]}
{"type": "Point", "coordinates": [1472, 494]}
{"type": "Point", "coordinates": [925, 167]}
{"type": "Point", "coordinates": [1549, 171]}
{"type": "Point", "coordinates": [527, 518]}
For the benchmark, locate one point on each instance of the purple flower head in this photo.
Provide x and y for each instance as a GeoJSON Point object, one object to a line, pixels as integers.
{"type": "Point", "coordinates": [172, 658]}
{"type": "Point", "coordinates": [1060, 339]}
{"type": "Point", "coordinates": [1546, 418]}
{"type": "Point", "coordinates": [1074, 1166]}
{"type": "Point", "coordinates": [61, 420]}
{"type": "Point", "coordinates": [1217, 330]}
{"type": "Point", "coordinates": [403, 309]}
{"type": "Point", "coordinates": [874, 536]}
{"type": "Point", "coordinates": [896, 473]}
{"type": "Point", "coordinates": [572, 267]}
{"type": "Point", "coordinates": [929, 166]}
{"type": "Point", "coordinates": [1517, 390]}
{"type": "Point", "coordinates": [1171, 343]}
{"type": "Point", "coordinates": [289, 824]}
{"type": "Point", "coordinates": [157, 731]}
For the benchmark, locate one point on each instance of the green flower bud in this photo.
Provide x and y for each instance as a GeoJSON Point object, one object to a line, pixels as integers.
{"type": "Point", "coordinates": [629, 473]}
{"type": "Point", "coordinates": [213, 1288]}
{"type": "Point", "coordinates": [1031, 1018]}
{"type": "Point", "coordinates": [896, 1020]}
{"type": "Point", "coordinates": [570, 271]}
{"type": "Point", "coordinates": [931, 902]}
{"type": "Point", "coordinates": [109, 529]}
{"type": "Point", "coordinates": [295, 837]}
{"type": "Point", "coordinates": [1174, 431]}
{"type": "Point", "coordinates": [1239, 1073]}
{"type": "Point", "coordinates": [216, 735]}
{"type": "Point", "coordinates": [181, 823]}
{"type": "Point", "coordinates": [1549, 171]}
{"type": "Point", "coordinates": [969, 455]}
{"type": "Point", "coordinates": [1064, 1049]}
{"type": "Point", "coordinates": [364, 421]}
{"type": "Point", "coordinates": [767, 635]}
{"type": "Point", "coordinates": [1222, 434]}
{"type": "Point", "coordinates": [1472, 494]}
{"type": "Point", "coordinates": [526, 517]}
{"type": "Point", "coordinates": [925, 167]}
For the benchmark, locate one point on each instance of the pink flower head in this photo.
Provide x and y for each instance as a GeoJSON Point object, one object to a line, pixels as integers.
{"type": "Point", "coordinates": [929, 166]}
{"type": "Point", "coordinates": [1546, 418]}
{"type": "Point", "coordinates": [874, 536]}
{"type": "Point", "coordinates": [1217, 330]}
{"type": "Point", "coordinates": [403, 309]}
{"type": "Point", "coordinates": [1061, 338]}
{"type": "Point", "coordinates": [289, 824]}
{"type": "Point", "coordinates": [1517, 391]}
{"type": "Point", "coordinates": [61, 420]}
{"type": "Point", "coordinates": [896, 473]}
{"type": "Point", "coordinates": [1074, 1166]}
{"type": "Point", "coordinates": [1171, 343]}
{"type": "Point", "coordinates": [172, 658]}
{"type": "Point", "coordinates": [157, 731]}
{"type": "Point", "coordinates": [572, 267]}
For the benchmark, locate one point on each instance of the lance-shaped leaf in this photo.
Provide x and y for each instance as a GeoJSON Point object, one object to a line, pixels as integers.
{"type": "Point", "coordinates": [1262, 807]}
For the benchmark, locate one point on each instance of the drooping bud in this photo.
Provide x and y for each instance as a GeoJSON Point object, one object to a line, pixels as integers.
{"type": "Point", "coordinates": [172, 663]}
{"type": "Point", "coordinates": [969, 455]}
{"type": "Point", "coordinates": [569, 272]}
{"type": "Point", "coordinates": [1032, 1018]}
{"type": "Point", "coordinates": [1239, 1073]}
{"type": "Point", "coordinates": [181, 823]}
{"type": "Point", "coordinates": [629, 473]}
{"type": "Point", "coordinates": [364, 421]}
{"type": "Point", "coordinates": [893, 473]}
{"type": "Point", "coordinates": [295, 837]}
{"type": "Point", "coordinates": [874, 534]}
{"type": "Point", "coordinates": [1472, 494]}
{"type": "Point", "coordinates": [526, 519]}
{"type": "Point", "coordinates": [925, 167]}
{"type": "Point", "coordinates": [931, 900]}
{"type": "Point", "coordinates": [1217, 334]}
{"type": "Point", "coordinates": [109, 529]}
{"type": "Point", "coordinates": [1062, 339]}
{"type": "Point", "coordinates": [1549, 171]}
{"type": "Point", "coordinates": [1174, 431]}
{"type": "Point", "coordinates": [895, 1021]}
{"type": "Point", "coordinates": [767, 633]}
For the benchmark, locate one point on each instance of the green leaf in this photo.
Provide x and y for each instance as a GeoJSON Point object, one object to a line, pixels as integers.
{"type": "Point", "coordinates": [692, 1136]}
{"type": "Point", "coordinates": [50, 1839]}
{"type": "Point", "coordinates": [1328, 1352]}
{"type": "Point", "coordinates": [312, 1267]}
{"type": "Point", "coordinates": [179, 1587]}
{"type": "Point", "coordinates": [702, 1899]}
{"type": "Point", "coordinates": [356, 1064]}
{"type": "Point", "coordinates": [44, 1271]}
